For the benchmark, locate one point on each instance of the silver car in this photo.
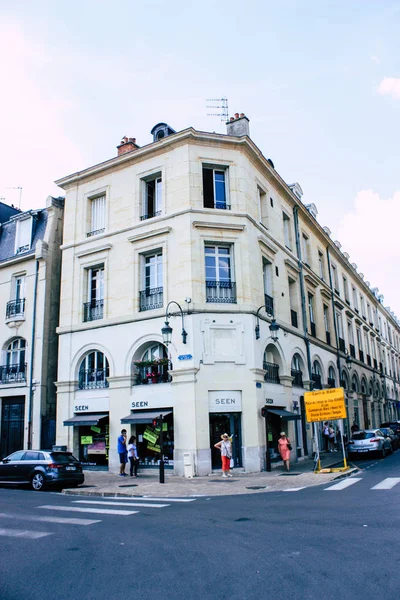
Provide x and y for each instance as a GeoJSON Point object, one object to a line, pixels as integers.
{"type": "Point", "coordinates": [369, 440]}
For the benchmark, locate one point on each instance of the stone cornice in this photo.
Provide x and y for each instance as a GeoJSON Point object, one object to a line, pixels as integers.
{"type": "Point", "coordinates": [224, 226]}
{"type": "Point", "coordinates": [149, 234]}
{"type": "Point", "coordinates": [88, 251]}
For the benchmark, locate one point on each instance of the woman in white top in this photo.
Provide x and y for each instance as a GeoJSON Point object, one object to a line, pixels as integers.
{"type": "Point", "coordinates": [133, 456]}
{"type": "Point", "coordinates": [225, 446]}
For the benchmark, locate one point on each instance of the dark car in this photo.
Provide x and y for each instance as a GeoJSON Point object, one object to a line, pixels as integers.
{"type": "Point", "coordinates": [395, 425]}
{"type": "Point", "coordinates": [41, 468]}
{"type": "Point", "coordinates": [394, 438]}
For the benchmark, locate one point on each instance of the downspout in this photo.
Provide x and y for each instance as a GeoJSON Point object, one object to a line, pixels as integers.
{"type": "Point", "coordinates": [30, 397]}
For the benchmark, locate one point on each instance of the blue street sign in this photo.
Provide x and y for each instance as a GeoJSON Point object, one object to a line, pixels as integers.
{"type": "Point", "coordinates": [185, 357]}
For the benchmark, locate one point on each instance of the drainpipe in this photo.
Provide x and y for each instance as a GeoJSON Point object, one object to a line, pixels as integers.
{"type": "Point", "coordinates": [30, 397]}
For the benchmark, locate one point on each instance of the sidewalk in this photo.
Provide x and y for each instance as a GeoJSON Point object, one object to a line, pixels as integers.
{"type": "Point", "coordinates": [101, 483]}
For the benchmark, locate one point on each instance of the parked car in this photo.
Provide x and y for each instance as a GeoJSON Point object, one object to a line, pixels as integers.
{"type": "Point", "coordinates": [41, 468]}
{"type": "Point", "coordinates": [367, 441]}
{"type": "Point", "coordinates": [394, 438]}
{"type": "Point", "coordinates": [395, 425]}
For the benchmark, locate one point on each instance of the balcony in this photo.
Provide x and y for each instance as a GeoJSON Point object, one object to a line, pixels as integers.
{"type": "Point", "coordinates": [223, 292]}
{"type": "Point", "coordinates": [96, 232]}
{"type": "Point", "coordinates": [331, 382]}
{"type": "Point", "coordinates": [313, 329]}
{"type": "Point", "coordinates": [93, 379]}
{"type": "Point", "coordinates": [293, 317]}
{"type": "Point", "coordinates": [269, 304]}
{"type": "Point", "coordinates": [297, 377]}
{"type": "Point", "coordinates": [15, 373]}
{"type": "Point", "coordinates": [317, 383]}
{"type": "Point", "coordinates": [150, 372]}
{"type": "Point", "coordinates": [361, 355]}
{"type": "Point", "coordinates": [15, 308]}
{"type": "Point", "coordinates": [342, 346]}
{"type": "Point", "coordinates": [352, 351]}
{"type": "Point", "coordinates": [150, 215]}
{"type": "Point", "coordinates": [328, 337]}
{"type": "Point", "coordinates": [151, 299]}
{"type": "Point", "coordinates": [272, 374]}
{"type": "Point", "coordinates": [93, 310]}
{"type": "Point", "coordinates": [369, 360]}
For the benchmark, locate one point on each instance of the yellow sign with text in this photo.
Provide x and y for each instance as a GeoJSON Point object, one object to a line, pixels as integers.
{"type": "Point", "coordinates": [325, 405]}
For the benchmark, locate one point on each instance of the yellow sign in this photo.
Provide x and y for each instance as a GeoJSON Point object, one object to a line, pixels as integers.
{"type": "Point", "coordinates": [86, 439]}
{"type": "Point", "coordinates": [150, 436]}
{"type": "Point", "coordinates": [325, 405]}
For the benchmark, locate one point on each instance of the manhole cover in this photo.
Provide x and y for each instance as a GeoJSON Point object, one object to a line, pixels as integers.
{"type": "Point", "coordinates": [129, 485]}
{"type": "Point", "coordinates": [242, 519]}
{"type": "Point", "coordinates": [289, 474]}
{"type": "Point", "coordinates": [256, 487]}
{"type": "Point", "coordinates": [220, 481]}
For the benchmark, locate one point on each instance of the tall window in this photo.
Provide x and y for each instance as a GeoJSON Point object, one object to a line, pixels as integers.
{"type": "Point", "coordinates": [350, 334]}
{"type": "Point", "coordinates": [151, 295]}
{"type": "Point", "coordinates": [362, 301]}
{"type": "Point", "coordinates": [326, 323]}
{"type": "Point", "coordinates": [15, 368]}
{"type": "Point", "coordinates": [346, 290]}
{"type": "Point", "coordinates": [16, 306]}
{"type": "Point", "coordinates": [311, 314]}
{"type": "Point", "coordinates": [296, 371]}
{"type": "Point", "coordinates": [306, 249]}
{"type": "Point", "coordinates": [293, 302]}
{"type": "Point", "coordinates": [317, 375]}
{"type": "Point", "coordinates": [152, 197]}
{"type": "Point", "coordinates": [97, 215]}
{"type": "Point", "coordinates": [23, 236]}
{"type": "Point", "coordinates": [267, 277]}
{"type": "Point", "coordinates": [93, 308]}
{"type": "Point", "coordinates": [214, 188]}
{"type": "Point", "coordinates": [93, 371]}
{"type": "Point", "coordinates": [220, 286]}
{"type": "Point", "coordinates": [369, 314]}
{"type": "Point", "coordinates": [339, 325]}
{"type": "Point", "coordinates": [321, 265]}
{"type": "Point", "coordinates": [355, 299]}
{"type": "Point", "coordinates": [335, 279]}
{"type": "Point", "coordinates": [263, 204]}
{"type": "Point", "coordinates": [287, 234]}
{"type": "Point", "coordinates": [331, 377]}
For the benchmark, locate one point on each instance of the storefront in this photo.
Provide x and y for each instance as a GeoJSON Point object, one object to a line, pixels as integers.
{"type": "Point", "coordinates": [146, 426]}
{"type": "Point", "coordinates": [91, 432]}
{"type": "Point", "coordinates": [276, 420]}
{"type": "Point", "coordinates": [225, 408]}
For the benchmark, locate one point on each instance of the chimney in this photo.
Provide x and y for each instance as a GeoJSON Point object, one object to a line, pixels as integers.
{"type": "Point", "coordinates": [127, 145]}
{"type": "Point", "coordinates": [238, 125]}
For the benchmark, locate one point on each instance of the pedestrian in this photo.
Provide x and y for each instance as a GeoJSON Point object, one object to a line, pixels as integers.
{"type": "Point", "coordinates": [225, 446]}
{"type": "Point", "coordinates": [123, 457]}
{"type": "Point", "coordinates": [284, 448]}
{"type": "Point", "coordinates": [325, 435]}
{"type": "Point", "coordinates": [133, 456]}
{"type": "Point", "coordinates": [354, 427]}
{"type": "Point", "coordinates": [331, 438]}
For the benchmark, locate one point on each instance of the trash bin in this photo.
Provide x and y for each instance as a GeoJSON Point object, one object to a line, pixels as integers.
{"type": "Point", "coordinates": [188, 466]}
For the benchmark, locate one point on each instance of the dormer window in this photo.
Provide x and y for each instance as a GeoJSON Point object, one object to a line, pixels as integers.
{"type": "Point", "coordinates": [23, 236]}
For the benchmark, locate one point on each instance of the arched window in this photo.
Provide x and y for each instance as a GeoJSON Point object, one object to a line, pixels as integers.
{"type": "Point", "coordinates": [317, 375]}
{"type": "Point", "coordinates": [296, 371]}
{"type": "Point", "coordinates": [270, 364]}
{"type": "Point", "coordinates": [93, 371]}
{"type": "Point", "coordinates": [371, 388]}
{"type": "Point", "coordinates": [345, 380]}
{"type": "Point", "coordinates": [354, 384]}
{"type": "Point", "coordinates": [153, 366]}
{"type": "Point", "coordinates": [363, 386]}
{"type": "Point", "coordinates": [331, 377]}
{"type": "Point", "coordinates": [15, 367]}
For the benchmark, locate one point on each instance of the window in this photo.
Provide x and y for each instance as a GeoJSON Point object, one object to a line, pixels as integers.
{"type": "Point", "coordinates": [93, 308]}
{"type": "Point", "coordinates": [350, 335]}
{"type": "Point", "coordinates": [362, 301]}
{"type": "Point", "coordinates": [220, 286]}
{"type": "Point", "coordinates": [153, 366]}
{"type": "Point", "coordinates": [262, 201]}
{"type": "Point", "coordinates": [14, 371]}
{"type": "Point", "coordinates": [152, 197]}
{"type": "Point", "coordinates": [316, 375]}
{"type": "Point", "coordinates": [16, 306]}
{"type": "Point", "coordinates": [331, 377]}
{"type": "Point", "coordinates": [271, 368]}
{"type": "Point", "coordinates": [339, 326]}
{"type": "Point", "coordinates": [369, 314]}
{"type": "Point", "coordinates": [335, 279]}
{"type": "Point", "coordinates": [321, 264]}
{"type": "Point", "coordinates": [23, 235]}
{"type": "Point", "coordinates": [296, 371]}
{"type": "Point", "coordinates": [355, 299]}
{"type": "Point", "coordinates": [326, 323]}
{"type": "Point", "coordinates": [346, 290]}
{"type": "Point", "coordinates": [151, 296]}
{"type": "Point", "coordinates": [93, 371]}
{"type": "Point", "coordinates": [214, 188]}
{"type": "Point", "coordinates": [267, 277]}
{"type": "Point", "coordinates": [97, 215]}
{"type": "Point", "coordinates": [293, 302]}
{"type": "Point", "coordinates": [306, 252]}
{"type": "Point", "coordinates": [287, 234]}
{"type": "Point", "coordinates": [311, 314]}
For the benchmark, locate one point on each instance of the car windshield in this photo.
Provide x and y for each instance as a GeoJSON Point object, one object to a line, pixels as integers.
{"type": "Point", "coordinates": [363, 435]}
{"type": "Point", "coordinates": [63, 457]}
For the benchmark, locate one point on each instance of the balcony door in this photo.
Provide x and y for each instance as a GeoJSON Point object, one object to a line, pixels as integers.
{"type": "Point", "coordinates": [12, 425]}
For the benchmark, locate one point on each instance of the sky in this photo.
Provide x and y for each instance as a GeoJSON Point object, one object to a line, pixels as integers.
{"type": "Point", "coordinates": [318, 79]}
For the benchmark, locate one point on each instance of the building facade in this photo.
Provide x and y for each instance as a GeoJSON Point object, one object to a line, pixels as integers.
{"type": "Point", "coordinates": [201, 225]}
{"type": "Point", "coordinates": [30, 262]}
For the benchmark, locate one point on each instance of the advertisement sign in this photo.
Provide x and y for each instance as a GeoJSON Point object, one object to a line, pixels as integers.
{"type": "Point", "coordinates": [86, 439]}
{"type": "Point", "coordinates": [325, 405]}
{"type": "Point", "coordinates": [225, 401]}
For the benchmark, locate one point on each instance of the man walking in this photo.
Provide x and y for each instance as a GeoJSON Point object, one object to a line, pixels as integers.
{"type": "Point", "coordinates": [122, 453]}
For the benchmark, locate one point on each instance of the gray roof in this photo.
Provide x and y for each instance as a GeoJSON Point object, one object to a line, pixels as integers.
{"type": "Point", "coordinates": [8, 232]}
{"type": "Point", "coordinates": [6, 212]}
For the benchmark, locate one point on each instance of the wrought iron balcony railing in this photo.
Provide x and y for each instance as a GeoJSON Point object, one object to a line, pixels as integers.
{"type": "Point", "coordinates": [317, 383]}
{"type": "Point", "coordinates": [297, 377]}
{"type": "Point", "coordinates": [153, 373]}
{"type": "Point", "coordinates": [91, 379]}
{"type": "Point", "coordinates": [14, 373]}
{"type": "Point", "coordinates": [151, 298]}
{"type": "Point", "coordinates": [269, 304]}
{"type": "Point", "coordinates": [150, 215]}
{"type": "Point", "coordinates": [331, 382]}
{"type": "Point", "coordinates": [96, 232]}
{"type": "Point", "coordinates": [15, 308]}
{"type": "Point", "coordinates": [272, 374]}
{"type": "Point", "coordinates": [93, 310]}
{"type": "Point", "coordinates": [221, 292]}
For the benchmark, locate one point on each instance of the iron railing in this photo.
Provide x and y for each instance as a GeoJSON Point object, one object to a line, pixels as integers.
{"type": "Point", "coordinates": [14, 373]}
{"type": "Point", "coordinates": [221, 291]}
{"type": "Point", "coordinates": [272, 374]}
{"type": "Point", "coordinates": [91, 379]}
{"type": "Point", "coordinates": [93, 310]}
{"type": "Point", "coordinates": [317, 383]}
{"type": "Point", "coordinates": [297, 377]}
{"type": "Point", "coordinates": [150, 215]}
{"type": "Point", "coordinates": [152, 374]}
{"type": "Point", "coordinates": [269, 304]}
{"type": "Point", "coordinates": [151, 298]}
{"type": "Point", "coordinates": [95, 232]}
{"type": "Point", "coordinates": [293, 317]}
{"type": "Point", "coordinates": [15, 308]}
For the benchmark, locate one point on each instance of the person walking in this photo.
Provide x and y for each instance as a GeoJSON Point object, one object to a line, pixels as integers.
{"type": "Point", "coordinates": [225, 446]}
{"type": "Point", "coordinates": [133, 456]}
{"type": "Point", "coordinates": [331, 438]}
{"type": "Point", "coordinates": [122, 453]}
{"type": "Point", "coordinates": [284, 448]}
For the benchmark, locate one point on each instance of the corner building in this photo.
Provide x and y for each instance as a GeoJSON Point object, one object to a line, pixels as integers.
{"type": "Point", "coordinates": [204, 220]}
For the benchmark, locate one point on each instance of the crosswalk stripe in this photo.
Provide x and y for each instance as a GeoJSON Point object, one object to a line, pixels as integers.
{"type": "Point", "coordinates": [100, 511]}
{"type": "Point", "coordinates": [142, 505]}
{"type": "Point", "coordinates": [343, 484]}
{"type": "Point", "coordinates": [20, 533]}
{"type": "Point", "coordinates": [63, 520]}
{"type": "Point", "coordinates": [150, 499]}
{"type": "Point", "coordinates": [386, 484]}
{"type": "Point", "coordinates": [293, 489]}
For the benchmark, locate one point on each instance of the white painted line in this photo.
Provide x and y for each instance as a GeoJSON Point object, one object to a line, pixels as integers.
{"type": "Point", "coordinates": [387, 484]}
{"type": "Point", "coordinates": [151, 499]}
{"type": "Point", "coordinates": [142, 504]}
{"type": "Point", "coordinates": [293, 489]}
{"type": "Point", "coordinates": [63, 520]}
{"type": "Point", "coordinates": [100, 511]}
{"type": "Point", "coordinates": [19, 533]}
{"type": "Point", "coordinates": [343, 484]}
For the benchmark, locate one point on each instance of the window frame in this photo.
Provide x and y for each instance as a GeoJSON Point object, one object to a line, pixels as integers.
{"type": "Point", "coordinates": [158, 199]}
{"type": "Point", "coordinates": [221, 169]}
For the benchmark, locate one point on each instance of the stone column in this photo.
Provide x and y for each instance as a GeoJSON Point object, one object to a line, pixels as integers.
{"type": "Point", "coordinates": [120, 395]}
{"type": "Point", "coordinates": [254, 455]}
{"type": "Point", "coordinates": [65, 410]}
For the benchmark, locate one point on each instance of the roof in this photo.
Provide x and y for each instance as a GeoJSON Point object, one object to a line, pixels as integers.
{"type": "Point", "coordinates": [6, 212]}
{"type": "Point", "coordinates": [9, 228]}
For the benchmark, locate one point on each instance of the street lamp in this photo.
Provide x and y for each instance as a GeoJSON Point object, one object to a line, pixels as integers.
{"type": "Point", "coordinates": [274, 327]}
{"type": "Point", "coordinates": [167, 329]}
{"type": "Point", "coordinates": [348, 362]}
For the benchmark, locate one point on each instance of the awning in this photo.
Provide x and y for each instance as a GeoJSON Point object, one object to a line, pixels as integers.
{"type": "Point", "coordinates": [144, 417]}
{"type": "Point", "coordinates": [284, 414]}
{"type": "Point", "coordinates": [81, 420]}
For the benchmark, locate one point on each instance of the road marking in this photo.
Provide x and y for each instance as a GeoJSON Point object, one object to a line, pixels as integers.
{"type": "Point", "coordinates": [143, 504]}
{"type": "Point", "coordinates": [151, 499]}
{"type": "Point", "coordinates": [343, 484]}
{"type": "Point", "coordinates": [293, 489]}
{"type": "Point", "coordinates": [20, 533]}
{"type": "Point", "coordinates": [63, 520]}
{"type": "Point", "coordinates": [386, 484]}
{"type": "Point", "coordinates": [100, 511]}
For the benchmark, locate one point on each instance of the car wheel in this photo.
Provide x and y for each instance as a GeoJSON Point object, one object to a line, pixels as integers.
{"type": "Point", "coordinates": [38, 482]}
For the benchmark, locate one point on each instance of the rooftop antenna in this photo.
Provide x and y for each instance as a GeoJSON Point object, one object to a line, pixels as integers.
{"type": "Point", "coordinates": [222, 104]}
{"type": "Point", "coordinates": [20, 193]}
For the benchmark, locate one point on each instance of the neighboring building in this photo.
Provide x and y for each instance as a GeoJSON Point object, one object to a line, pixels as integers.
{"type": "Point", "coordinates": [30, 261]}
{"type": "Point", "coordinates": [203, 219]}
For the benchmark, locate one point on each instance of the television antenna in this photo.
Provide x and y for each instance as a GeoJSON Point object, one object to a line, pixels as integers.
{"type": "Point", "coordinates": [20, 193]}
{"type": "Point", "coordinates": [218, 103]}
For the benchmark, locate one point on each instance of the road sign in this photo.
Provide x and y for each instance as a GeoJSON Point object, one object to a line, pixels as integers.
{"type": "Point", "coordinates": [325, 405]}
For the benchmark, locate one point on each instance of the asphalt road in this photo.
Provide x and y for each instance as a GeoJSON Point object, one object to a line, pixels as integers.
{"type": "Point", "coordinates": [327, 542]}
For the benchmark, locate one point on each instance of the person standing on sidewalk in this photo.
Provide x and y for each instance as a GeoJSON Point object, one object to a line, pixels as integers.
{"type": "Point", "coordinates": [225, 446]}
{"type": "Point", "coordinates": [123, 457]}
{"type": "Point", "coordinates": [331, 438]}
{"type": "Point", "coordinates": [133, 456]}
{"type": "Point", "coordinates": [284, 448]}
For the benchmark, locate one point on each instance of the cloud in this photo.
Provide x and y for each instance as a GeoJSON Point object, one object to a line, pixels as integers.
{"type": "Point", "coordinates": [376, 60]}
{"type": "Point", "coordinates": [369, 233]}
{"type": "Point", "coordinates": [390, 86]}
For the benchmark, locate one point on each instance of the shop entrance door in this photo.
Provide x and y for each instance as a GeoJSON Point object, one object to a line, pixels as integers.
{"type": "Point", "coordinates": [12, 425]}
{"type": "Point", "coordinates": [230, 423]}
{"type": "Point", "coordinates": [94, 444]}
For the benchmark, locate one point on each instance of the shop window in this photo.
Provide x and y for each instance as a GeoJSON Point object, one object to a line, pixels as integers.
{"type": "Point", "coordinates": [93, 371]}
